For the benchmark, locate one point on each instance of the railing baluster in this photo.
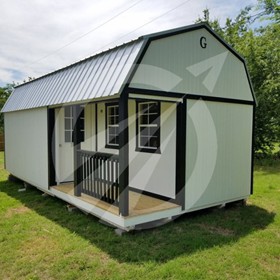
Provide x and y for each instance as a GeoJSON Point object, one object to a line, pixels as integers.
{"type": "Point", "coordinates": [95, 176]}
{"type": "Point", "coordinates": [87, 172]}
{"type": "Point", "coordinates": [111, 181]}
{"type": "Point", "coordinates": [83, 171]}
{"type": "Point", "coordinates": [91, 170]}
{"type": "Point", "coordinates": [105, 181]}
{"type": "Point", "coordinates": [108, 180]}
{"type": "Point", "coordinates": [88, 183]}
{"type": "Point", "coordinates": [100, 175]}
{"type": "Point", "coordinates": [117, 182]}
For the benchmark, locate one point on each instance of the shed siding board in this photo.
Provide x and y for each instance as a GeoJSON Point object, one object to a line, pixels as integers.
{"type": "Point", "coordinates": [26, 146]}
{"type": "Point", "coordinates": [176, 53]}
{"type": "Point", "coordinates": [154, 173]}
{"type": "Point", "coordinates": [218, 162]}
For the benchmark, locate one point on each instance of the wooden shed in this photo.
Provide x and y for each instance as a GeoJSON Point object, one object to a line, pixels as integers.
{"type": "Point", "coordinates": [141, 133]}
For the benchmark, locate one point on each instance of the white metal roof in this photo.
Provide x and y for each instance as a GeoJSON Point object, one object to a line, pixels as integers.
{"type": "Point", "coordinates": [98, 76]}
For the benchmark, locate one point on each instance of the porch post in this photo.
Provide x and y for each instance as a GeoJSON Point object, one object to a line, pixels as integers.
{"type": "Point", "coordinates": [51, 147]}
{"type": "Point", "coordinates": [77, 146]}
{"type": "Point", "coordinates": [123, 154]}
{"type": "Point", "coordinates": [181, 131]}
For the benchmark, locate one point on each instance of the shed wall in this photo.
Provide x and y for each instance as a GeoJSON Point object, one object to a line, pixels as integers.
{"type": "Point", "coordinates": [154, 172]}
{"type": "Point", "coordinates": [218, 155]}
{"type": "Point", "coordinates": [27, 146]}
{"type": "Point", "coordinates": [179, 64]}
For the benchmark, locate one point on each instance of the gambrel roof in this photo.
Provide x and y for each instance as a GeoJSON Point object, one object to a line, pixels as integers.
{"type": "Point", "coordinates": [101, 75]}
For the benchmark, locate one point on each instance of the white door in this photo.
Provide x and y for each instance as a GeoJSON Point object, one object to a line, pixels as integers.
{"type": "Point", "coordinates": [64, 145]}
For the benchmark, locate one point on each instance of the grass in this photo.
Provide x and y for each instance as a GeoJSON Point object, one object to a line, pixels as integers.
{"type": "Point", "coordinates": [40, 239]}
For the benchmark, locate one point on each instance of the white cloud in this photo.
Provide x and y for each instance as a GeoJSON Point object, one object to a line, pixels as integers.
{"type": "Point", "coordinates": [30, 30]}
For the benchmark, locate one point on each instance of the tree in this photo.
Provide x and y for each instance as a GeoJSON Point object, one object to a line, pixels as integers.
{"type": "Point", "coordinates": [4, 95]}
{"type": "Point", "coordinates": [260, 48]}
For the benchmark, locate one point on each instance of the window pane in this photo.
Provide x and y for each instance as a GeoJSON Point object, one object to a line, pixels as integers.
{"type": "Point", "coordinates": [153, 131]}
{"type": "Point", "coordinates": [154, 142]}
{"type": "Point", "coordinates": [144, 119]}
{"type": "Point", "coordinates": [153, 118]}
{"type": "Point", "coordinates": [67, 112]}
{"type": "Point", "coordinates": [68, 136]}
{"type": "Point", "coordinates": [112, 124]}
{"type": "Point", "coordinates": [144, 131]}
{"type": "Point", "coordinates": [111, 120]}
{"type": "Point", "coordinates": [148, 127]}
{"type": "Point", "coordinates": [153, 108]}
{"type": "Point", "coordinates": [82, 115]}
{"type": "Point", "coordinates": [143, 108]}
{"type": "Point", "coordinates": [112, 130]}
{"type": "Point", "coordinates": [111, 111]}
{"type": "Point", "coordinates": [144, 141]}
{"type": "Point", "coordinates": [112, 139]}
{"type": "Point", "coordinates": [68, 123]}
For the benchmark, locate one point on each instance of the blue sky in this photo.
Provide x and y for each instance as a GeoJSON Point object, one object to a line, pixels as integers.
{"type": "Point", "coordinates": [34, 34]}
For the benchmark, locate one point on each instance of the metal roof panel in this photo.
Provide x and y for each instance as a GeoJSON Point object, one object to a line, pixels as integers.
{"type": "Point", "coordinates": [97, 76]}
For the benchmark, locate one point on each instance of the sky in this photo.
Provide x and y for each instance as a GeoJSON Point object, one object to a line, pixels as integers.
{"type": "Point", "coordinates": [40, 36]}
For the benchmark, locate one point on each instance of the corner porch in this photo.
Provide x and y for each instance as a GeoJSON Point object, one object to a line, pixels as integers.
{"type": "Point", "coordinates": [96, 190]}
{"type": "Point", "coordinates": [139, 204]}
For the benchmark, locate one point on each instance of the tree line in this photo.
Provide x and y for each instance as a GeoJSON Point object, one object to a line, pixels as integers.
{"type": "Point", "coordinates": [260, 46]}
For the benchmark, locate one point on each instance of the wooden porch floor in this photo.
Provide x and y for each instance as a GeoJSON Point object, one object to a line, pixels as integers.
{"type": "Point", "coordinates": [139, 204]}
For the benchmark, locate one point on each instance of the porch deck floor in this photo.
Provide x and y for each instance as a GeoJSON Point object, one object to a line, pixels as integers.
{"type": "Point", "coordinates": [139, 204]}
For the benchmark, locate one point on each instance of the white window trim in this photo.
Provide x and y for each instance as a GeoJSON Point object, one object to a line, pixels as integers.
{"type": "Point", "coordinates": [146, 125]}
{"type": "Point", "coordinates": [110, 125]}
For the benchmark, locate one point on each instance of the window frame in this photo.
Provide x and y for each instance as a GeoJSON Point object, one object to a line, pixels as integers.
{"type": "Point", "coordinates": [157, 122]}
{"type": "Point", "coordinates": [107, 144]}
{"type": "Point", "coordinates": [71, 129]}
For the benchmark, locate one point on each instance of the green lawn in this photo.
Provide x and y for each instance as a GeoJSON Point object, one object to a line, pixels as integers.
{"type": "Point", "coordinates": [40, 239]}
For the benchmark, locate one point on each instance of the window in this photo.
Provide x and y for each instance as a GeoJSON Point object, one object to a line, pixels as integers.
{"type": "Point", "coordinates": [69, 124]}
{"type": "Point", "coordinates": [112, 125]}
{"type": "Point", "coordinates": [148, 126]}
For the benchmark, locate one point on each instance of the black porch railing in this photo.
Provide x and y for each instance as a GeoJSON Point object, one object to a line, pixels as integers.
{"type": "Point", "coordinates": [99, 175]}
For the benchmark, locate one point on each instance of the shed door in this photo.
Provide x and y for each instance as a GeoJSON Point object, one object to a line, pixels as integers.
{"type": "Point", "coordinates": [64, 145]}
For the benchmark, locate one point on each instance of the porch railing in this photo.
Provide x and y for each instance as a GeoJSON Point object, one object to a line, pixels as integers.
{"type": "Point", "coordinates": [99, 175]}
